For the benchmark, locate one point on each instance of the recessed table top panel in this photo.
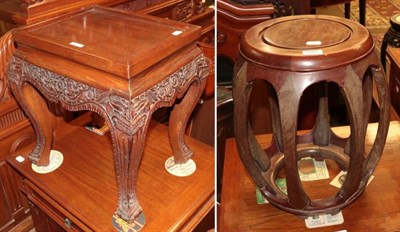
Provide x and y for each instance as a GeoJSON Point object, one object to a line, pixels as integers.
{"type": "Point", "coordinates": [291, 34]}
{"type": "Point", "coordinates": [110, 40]}
{"type": "Point", "coordinates": [306, 43]}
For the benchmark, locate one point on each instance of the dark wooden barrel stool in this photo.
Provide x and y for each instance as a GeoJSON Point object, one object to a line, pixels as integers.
{"type": "Point", "coordinates": [293, 53]}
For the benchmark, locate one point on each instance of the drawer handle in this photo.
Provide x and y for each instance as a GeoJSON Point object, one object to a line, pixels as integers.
{"type": "Point", "coordinates": [67, 223]}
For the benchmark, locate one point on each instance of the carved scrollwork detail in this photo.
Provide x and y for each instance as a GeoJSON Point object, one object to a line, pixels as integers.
{"type": "Point", "coordinates": [283, 8]}
{"type": "Point", "coordinates": [199, 6]}
{"type": "Point", "coordinates": [183, 11]}
{"type": "Point", "coordinates": [221, 38]}
{"type": "Point", "coordinates": [6, 51]}
{"type": "Point", "coordinates": [122, 112]}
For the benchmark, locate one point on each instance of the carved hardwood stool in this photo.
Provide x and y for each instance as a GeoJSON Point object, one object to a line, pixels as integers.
{"type": "Point", "coordinates": [293, 53]}
{"type": "Point", "coordinates": [122, 66]}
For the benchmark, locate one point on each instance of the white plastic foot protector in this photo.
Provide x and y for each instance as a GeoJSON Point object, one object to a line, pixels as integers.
{"type": "Point", "coordinates": [56, 159]}
{"type": "Point", "coordinates": [180, 170]}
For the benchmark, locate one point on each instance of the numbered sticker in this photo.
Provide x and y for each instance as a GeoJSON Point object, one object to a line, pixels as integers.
{"type": "Point", "coordinates": [313, 52]}
{"type": "Point", "coordinates": [324, 220]}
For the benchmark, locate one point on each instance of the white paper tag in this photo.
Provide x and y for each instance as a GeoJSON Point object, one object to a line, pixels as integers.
{"type": "Point", "coordinates": [324, 220]}
{"type": "Point", "coordinates": [176, 33]}
{"type": "Point", "coordinates": [313, 43]}
{"type": "Point", "coordinates": [180, 170]}
{"type": "Point", "coordinates": [340, 178]}
{"type": "Point", "coordinates": [20, 159]}
{"type": "Point", "coordinates": [313, 52]}
{"type": "Point", "coordinates": [76, 44]}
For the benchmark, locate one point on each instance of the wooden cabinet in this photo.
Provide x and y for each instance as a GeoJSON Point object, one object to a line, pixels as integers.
{"type": "Point", "coordinates": [393, 73]}
{"type": "Point", "coordinates": [43, 222]}
{"type": "Point", "coordinates": [15, 132]}
{"type": "Point", "coordinates": [23, 12]}
{"type": "Point", "coordinates": [82, 193]}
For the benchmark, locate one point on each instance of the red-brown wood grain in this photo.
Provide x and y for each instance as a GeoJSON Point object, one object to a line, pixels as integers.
{"type": "Point", "coordinates": [84, 187]}
{"type": "Point", "coordinates": [378, 208]}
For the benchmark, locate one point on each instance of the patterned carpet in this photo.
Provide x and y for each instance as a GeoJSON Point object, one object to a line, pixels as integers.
{"type": "Point", "coordinates": [377, 16]}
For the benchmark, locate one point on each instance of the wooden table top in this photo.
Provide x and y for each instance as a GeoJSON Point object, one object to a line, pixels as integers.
{"type": "Point", "coordinates": [111, 40]}
{"type": "Point", "coordinates": [302, 43]}
{"type": "Point", "coordinates": [27, 12]}
{"type": "Point", "coordinates": [85, 183]}
{"type": "Point", "coordinates": [377, 209]}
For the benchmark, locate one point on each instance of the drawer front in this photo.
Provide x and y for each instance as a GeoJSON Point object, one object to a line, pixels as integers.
{"type": "Point", "coordinates": [52, 209]}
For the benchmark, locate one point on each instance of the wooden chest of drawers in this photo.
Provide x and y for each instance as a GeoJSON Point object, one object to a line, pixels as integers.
{"type": "Point", "coordinates": [82, 193]}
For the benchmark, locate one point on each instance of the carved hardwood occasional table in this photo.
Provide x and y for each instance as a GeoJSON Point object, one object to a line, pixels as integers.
{"type": "Point", "coordinates": [292, 54]}
{"type": "Point", "coordinates": [123, 67]}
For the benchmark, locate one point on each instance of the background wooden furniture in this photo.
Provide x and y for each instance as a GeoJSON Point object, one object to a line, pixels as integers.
{"type": "Point", "coordinates": [306, 7]}
{"type": "Point", "coordinates": [224, 130]}
{"type": "Point", "coordinates": [324, 3]}
{"type": "Point", "coordinates": [393, 75]}
{"type": "Point", "coordinates": [84, 189]}
{"type": "Point", "coordinates": [22, 12]}
{"type": "Point", "coordinates": [14, 211]}
{"type": "Point", "coordinates": [377, 209]}
{"type": "Point", "coordinates": [233, 20]}
{"type": "Point", "coordinates": [15, 132]}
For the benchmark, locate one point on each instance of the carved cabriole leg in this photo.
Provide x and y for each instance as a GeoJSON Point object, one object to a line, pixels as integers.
{"type": "Point", "coordinates": [179, 118]}
{"type": "Point", "coordinates": [40, 118]}
{"type": "Point", "coordinates": [128, 150]}
{"type": "Point", "coordinates": [36, 109]}
{"type": "Point", "coordinates": [191, 91]}
{"type": "Point", "coordinates": [129, 132]}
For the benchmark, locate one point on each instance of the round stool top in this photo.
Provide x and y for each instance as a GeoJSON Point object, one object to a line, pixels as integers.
{"type": "Point", "coordinates": [306, 43]}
